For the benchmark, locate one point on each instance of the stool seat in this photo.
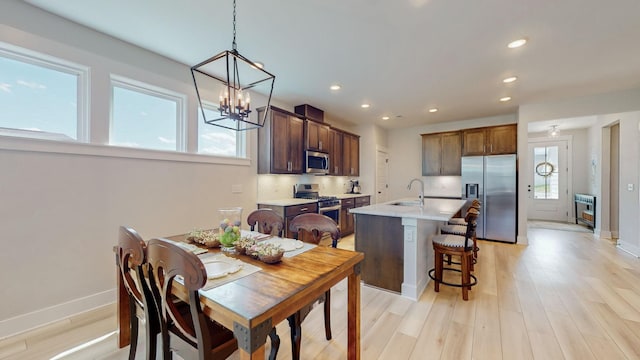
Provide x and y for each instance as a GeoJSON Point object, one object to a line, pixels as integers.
{"type": "Point", "coordinates": [449, 240]}
{"type": "Point", "coordinates": [457, 221]}
{"type": "Point", "coordinates": [454, 229]}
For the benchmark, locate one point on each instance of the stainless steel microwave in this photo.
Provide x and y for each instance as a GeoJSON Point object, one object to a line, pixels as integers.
{"type": "Point", "coordinates": [317, 162]}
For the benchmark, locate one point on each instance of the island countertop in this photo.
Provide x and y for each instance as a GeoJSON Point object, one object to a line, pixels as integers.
{"type": "Point", "coordinates": [433, 209]}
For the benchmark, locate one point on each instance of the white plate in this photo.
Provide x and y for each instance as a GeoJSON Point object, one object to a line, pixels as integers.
{"type": "Point", "coordinates": [285, 244]}
{"type": "Point", "coordinates": [222, 266]}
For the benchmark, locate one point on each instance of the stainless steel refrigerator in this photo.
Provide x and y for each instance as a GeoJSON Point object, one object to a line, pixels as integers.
{"type": "Point", "coordinates": [492, 180]}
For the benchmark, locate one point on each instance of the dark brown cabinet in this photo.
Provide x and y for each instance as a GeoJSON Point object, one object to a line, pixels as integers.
{"type": "Point", "coordinates": [335, 152]}
{"type": "Point", "coordinates": [289, 212]}
{"type": "Point", "coordinates": [493, 140]}
{"type": "Point", "coordinates": [316, 136]}
{"type": "Point", "coordinates": [441, 153]}
{"type": "Point", "coordinates": [347, 223]}
{"type": "Point", "coordinates": [351, 158]}
{"type": "Point", "coordinates": [280, 143]}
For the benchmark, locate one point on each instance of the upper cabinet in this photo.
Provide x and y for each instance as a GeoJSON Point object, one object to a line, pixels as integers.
{"type": "Point", "coordinates": [351, 157]}
{"type": "Point", "coordinates": [441, 153]}
{"type": "Point", "coordinates": [493, 140]}
{"type": "Point", "coordinates": [316, 136]}
{"type": "Point", "coordinates": [280, 143]}
{"type": "Point", "coordinates": [335, 152]}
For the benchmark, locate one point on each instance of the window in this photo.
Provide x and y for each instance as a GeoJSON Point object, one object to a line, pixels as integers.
{"type": "Point", "coordinates": [215, 140]}
{"type": "Point", "coordinates": [40, 96]}
{"type": "Point", "coordinates": [546, 177]}
{"type": "Point", "coordinates": [143, 116]}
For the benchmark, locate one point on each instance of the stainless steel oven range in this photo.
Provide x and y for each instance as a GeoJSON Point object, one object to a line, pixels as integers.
{"type": "Point", "coordinates": [327, 205]}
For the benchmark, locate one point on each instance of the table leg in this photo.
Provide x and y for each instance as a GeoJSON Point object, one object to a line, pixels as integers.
{"type": "Point", "coordinates": [258, 354]}
{"type": "Point", "coordinates": [353, 309]}
{"type": "Point", "coordinates": [123, 312]}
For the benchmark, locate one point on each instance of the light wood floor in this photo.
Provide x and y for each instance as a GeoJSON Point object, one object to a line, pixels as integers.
{"type": "Point", "coordinates": [567, 295]}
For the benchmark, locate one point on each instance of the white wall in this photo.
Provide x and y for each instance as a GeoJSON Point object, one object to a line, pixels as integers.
{"type": "Point", "coordinates": [405, 157]}
{"type": "Point", "coordinates": [619, 106]}
{"type": "Point", "coordinates": [60, 212]}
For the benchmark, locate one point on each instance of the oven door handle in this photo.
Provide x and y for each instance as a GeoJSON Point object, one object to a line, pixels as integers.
{"type": "Point", "coordinates": [329, 208]}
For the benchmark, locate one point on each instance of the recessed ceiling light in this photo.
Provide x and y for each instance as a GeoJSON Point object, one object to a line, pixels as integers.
{"type": "Point", "coordinates": [432, 110]}
{"type": "Point", "coordinates": [364, 106]}
{"type": "Point", "coordinates": [517, 43]}
{"type": "Point", "coordinates": [506, 98]}
{"type": "Point", "coordinates": [385, 118]}
{"type": "Point", "coordinates": [510, 79]}
{"type": "Point", "coordinates": [335, 87]}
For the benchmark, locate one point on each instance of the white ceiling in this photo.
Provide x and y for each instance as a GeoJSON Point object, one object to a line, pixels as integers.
{"type": "Point", "coordinates": [401, 56]}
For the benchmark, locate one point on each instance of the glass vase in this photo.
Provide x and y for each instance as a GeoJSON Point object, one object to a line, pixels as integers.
{"type": "Point", "coordinates": [230, 221]}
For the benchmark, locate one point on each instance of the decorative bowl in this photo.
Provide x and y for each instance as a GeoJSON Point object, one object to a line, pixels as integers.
{"type": "Point", "coordinates": [271, 259]}
{"type": "Point", "coordinates": [208, 238]}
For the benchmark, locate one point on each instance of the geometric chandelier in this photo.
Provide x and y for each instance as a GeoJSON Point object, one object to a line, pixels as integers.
{"type": "Point", "coordinates": [219, 78]}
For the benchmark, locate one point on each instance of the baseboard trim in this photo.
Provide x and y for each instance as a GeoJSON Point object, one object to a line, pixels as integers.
{"type": "Point", "coordinates": [26, 322]}
{"type": "Point", "coordinates": [629, 248]}
{"type": "Point", "coordinates": [522, 240]}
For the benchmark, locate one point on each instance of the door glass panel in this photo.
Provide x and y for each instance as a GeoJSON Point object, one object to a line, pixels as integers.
{"type": "Point", "coordinates": [545, 175]}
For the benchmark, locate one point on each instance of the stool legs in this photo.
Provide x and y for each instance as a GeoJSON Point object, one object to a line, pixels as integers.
{"type": "Point", "coordinates": [438, 274]}
{"type": "Point", "coordinates": [466, 278]}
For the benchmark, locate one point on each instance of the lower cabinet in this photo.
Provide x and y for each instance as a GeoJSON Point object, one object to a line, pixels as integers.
{"type": "Point", "coordinates": [289, 212]}
{"type": "Point", "coordinates": [347, 224]}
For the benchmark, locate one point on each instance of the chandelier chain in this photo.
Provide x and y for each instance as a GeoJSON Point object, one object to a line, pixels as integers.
{"type": "Point", "coordinates": [234, 26]}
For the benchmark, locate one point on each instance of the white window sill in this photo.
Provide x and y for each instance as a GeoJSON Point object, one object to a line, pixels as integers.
{"type": "Point", "coordinates": [77, 148]}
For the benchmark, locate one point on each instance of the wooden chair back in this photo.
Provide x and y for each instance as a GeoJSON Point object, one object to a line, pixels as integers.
{"type": "Point", "coordinates": [267, 221]}
{"type": "Point", "coordinates": [316, 225]}
{"type": "Point", "coordinates": [132, 262]}
{"type": "Point", "coordinates": [166, 262]}
{"type": "Point", "coordinates": [471, 220]}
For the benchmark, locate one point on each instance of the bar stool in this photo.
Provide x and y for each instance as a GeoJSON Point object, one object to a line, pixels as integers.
{"type": "Point", "coordinates": [446, 244]}
{"type": "Point", "coordinates": [458, 226]}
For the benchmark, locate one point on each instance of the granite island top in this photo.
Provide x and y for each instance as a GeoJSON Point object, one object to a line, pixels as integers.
{"type": "Point", "coordinates": [433, 209]}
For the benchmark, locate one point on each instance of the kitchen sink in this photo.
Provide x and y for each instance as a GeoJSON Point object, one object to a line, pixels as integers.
{"type": "Point", "coordinates": [407, 203]}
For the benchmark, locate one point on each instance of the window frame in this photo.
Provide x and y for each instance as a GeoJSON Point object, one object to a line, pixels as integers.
{"type": "Point", "coordinates": [155, 91]}
{"type": "Point", "coordinates": [241, 136]}
{"type": "Point", "coordinates": [82, 72]}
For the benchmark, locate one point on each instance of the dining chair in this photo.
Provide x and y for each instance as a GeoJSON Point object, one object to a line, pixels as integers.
{"type": "Point", "coordinates": [316, 225]}
{"type": "Point", "coordinates": [266, 221]}
{"type": "Point", "coordinates": [447, 244]}
{"type": "Point", "coordinates": [184, 327]}
{"type": "Point", "coordinates": [131, 257]}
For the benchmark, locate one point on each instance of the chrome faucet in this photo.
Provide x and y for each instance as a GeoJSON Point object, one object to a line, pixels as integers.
{"type": "Point", "coordinates": [421, 189]}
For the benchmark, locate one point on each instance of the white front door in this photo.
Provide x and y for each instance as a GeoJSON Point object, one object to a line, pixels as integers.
{"type": "Point", "coordinates": [547, 189]}
{"type": "Point", "coordinates": [382, 176]}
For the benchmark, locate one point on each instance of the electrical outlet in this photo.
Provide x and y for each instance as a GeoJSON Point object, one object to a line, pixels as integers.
{"type": "Point", "coordinates": [630, 187]}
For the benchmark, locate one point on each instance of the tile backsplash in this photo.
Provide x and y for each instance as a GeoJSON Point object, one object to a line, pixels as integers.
{"type": "Point", "coordinates": [273, 187]}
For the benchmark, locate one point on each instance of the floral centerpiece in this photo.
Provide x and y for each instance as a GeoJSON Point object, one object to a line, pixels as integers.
{"type": "Point", "coordinates": [208, 238]}
{"type": "Point", "coordinates": [269, 253]}
{"type": "Point", "coordinates": [243, 244]}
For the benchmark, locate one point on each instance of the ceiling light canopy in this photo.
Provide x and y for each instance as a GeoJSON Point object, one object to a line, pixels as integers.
{"type": "Point", "coordinates": [230, 76]}
{"type": "Point", "coordinates": [517, 43]}
{"type": "Point", "coordinates": [554, 131]}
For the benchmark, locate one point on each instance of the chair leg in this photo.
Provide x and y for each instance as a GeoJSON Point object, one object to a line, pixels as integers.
{"type": "Point", "coordinates": [448, 259]}
{"type": "Point", "coordinates": [296, 335]}
{"type": "Point", "coordinates": [327, 314]}
{"type": "Point", "coordinates": [475, 247]}
{"type": "Point", "coordinates": [438, 273]}
{"type": "Point", "coordinates": [275, 344]}
{"type": "Point", "coordinates": [133, 323]}
{"type": "Point", "coordinates": [466, 279]}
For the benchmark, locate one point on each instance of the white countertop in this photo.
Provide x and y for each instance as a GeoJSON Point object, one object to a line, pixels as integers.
{"type": "Point", "coordinates": [287, 202]}
{"type": "Point", "coordinates": [434, 209]}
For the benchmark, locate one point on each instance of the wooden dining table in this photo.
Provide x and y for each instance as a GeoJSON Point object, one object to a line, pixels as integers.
{"type": "Point", "coordinates": [251, 305]}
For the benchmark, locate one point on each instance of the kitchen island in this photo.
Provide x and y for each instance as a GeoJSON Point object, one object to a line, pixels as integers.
{"type": "Point", "coordinates": [395, 237]}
